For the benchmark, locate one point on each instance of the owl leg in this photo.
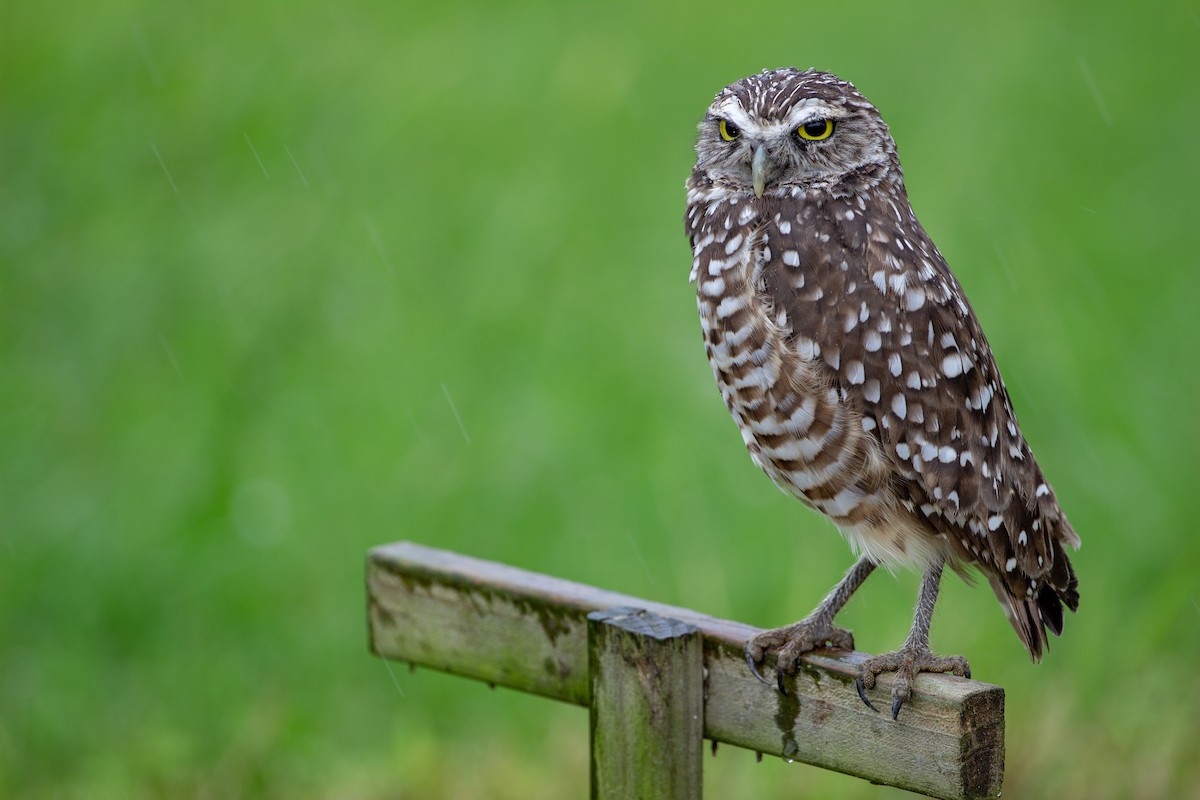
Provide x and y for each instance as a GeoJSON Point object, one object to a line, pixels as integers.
{"type": "Point", "coordinates": [815, 630]}
{"type": "Point", "coordinates": [915, 656]}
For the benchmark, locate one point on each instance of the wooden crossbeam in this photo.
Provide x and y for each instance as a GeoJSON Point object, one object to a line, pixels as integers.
{"type": "Point", "coordinates": [529, 632]}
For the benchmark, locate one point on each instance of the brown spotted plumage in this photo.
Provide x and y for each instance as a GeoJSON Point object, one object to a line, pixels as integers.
{"type": "Point", "coordinates": [849, 357]}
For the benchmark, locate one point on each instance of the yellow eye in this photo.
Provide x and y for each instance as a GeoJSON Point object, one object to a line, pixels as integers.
{"type": "Point", "coordinates": [729, 131]}
{"type": "Point", "coordinates": [816, 130]}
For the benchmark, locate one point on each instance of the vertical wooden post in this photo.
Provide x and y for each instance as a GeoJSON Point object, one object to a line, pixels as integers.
{"type": "Point", "coordinates": [647, 709]}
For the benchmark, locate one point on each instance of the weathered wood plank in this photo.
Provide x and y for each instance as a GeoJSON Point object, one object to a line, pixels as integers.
{"type": "Point", "coordinates": [527, 631]}
{"type": "Point", "coordinates": [647, 709]}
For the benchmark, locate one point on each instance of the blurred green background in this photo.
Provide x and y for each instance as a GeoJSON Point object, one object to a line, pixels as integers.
{"type": "Point", "coordinates": [281, 281]}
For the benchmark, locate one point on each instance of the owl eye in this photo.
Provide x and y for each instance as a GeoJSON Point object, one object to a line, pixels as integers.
{"type": "Point", "coordinates": [729, 131]}
{"type": "Point", "coordinates": [816, 130]}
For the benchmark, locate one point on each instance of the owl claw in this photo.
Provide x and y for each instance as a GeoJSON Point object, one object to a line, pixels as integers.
{"type": "Point", "coordinates": [907, 663]}
{"type": "Point", "coordinates": [791, 642]}
{"type": "Point", "coordinates": [862, 694]}
{"type": "Point", "coordinates": [752, 660]}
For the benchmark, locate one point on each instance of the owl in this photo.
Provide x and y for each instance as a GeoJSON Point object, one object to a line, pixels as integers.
{"type": "Point", "coordinates": [861, 381]}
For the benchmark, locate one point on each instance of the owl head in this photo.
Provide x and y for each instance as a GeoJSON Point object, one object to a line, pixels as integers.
{"type": "Point", "coordinates": [788, 130]}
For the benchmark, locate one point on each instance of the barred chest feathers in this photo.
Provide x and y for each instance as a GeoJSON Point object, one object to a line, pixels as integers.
{"type": "Point", "coordinates": [798, 425]}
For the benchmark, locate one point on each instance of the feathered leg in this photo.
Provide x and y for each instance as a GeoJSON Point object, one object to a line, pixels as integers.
{"type": "Point", "coordinates": [815, 630]}
{"type": "Point", "coordinates": [915, 656]}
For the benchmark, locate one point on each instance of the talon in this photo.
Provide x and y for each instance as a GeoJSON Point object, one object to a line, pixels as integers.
{"type": "Point", "coordinates": [907, 663]}
{"type": "Point", "coordinates": [862, 694]}
{"type": "Point", "coordinates": [754, 668]}
{"type": "Point", "coordinates": [791, 642]}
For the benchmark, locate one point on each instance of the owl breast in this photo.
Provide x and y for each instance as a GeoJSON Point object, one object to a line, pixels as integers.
{"type": "Point", "coordinates": [797, 424]}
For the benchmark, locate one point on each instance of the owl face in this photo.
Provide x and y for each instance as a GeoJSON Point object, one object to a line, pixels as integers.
{"type": "Point", "coordinates": [785, 130]}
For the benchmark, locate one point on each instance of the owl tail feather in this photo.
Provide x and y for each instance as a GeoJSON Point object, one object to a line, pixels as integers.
{"type": "Point", "coordinates": [1032, 617]}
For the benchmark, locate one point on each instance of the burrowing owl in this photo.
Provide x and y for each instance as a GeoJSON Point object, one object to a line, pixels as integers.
{"type": "Point", "coordinates": [850, 359]}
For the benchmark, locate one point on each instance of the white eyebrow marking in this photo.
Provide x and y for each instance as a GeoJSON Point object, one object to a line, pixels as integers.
{"type": "Point", "coordinates": [808, 109]}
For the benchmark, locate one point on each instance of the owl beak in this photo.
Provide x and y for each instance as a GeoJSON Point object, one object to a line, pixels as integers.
{"type": "Point", "coordinates": [758, 170]}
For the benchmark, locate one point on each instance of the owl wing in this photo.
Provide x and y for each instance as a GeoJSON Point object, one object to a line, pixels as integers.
{"type": "Point", "coordinates": [864, 289]}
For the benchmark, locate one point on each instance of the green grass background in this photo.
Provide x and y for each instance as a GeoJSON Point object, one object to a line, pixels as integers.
{"type": "Point", "coordinates": [280, 281]}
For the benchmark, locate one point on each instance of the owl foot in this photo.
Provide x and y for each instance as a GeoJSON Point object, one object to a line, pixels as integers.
{"type": "Point", "coordinates": [906, 663]}
{"type": "Point", "coordinates": [792, 642]}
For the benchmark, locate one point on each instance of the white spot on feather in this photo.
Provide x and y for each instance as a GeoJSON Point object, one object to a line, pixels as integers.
{"type": "Point", "coordinates": [854, 372]}
{"type": "Point", "coordinates": [980, 398]}
{"type": "Point", "coordinates": [729, 306]}
{"type": "Point", "coordinates": [843, 502]}
{"type": "Point", "coordinates": [952, 365]}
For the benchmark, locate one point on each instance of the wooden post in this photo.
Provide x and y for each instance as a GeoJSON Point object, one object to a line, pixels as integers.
{"type": "Point", "coordinates": [515, 628]}
{"type": "Point", "coordinates": [647, 710]}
